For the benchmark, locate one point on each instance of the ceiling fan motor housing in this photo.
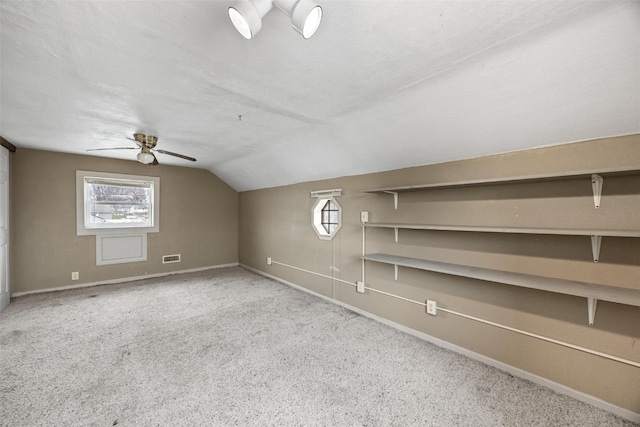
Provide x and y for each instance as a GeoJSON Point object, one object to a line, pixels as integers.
{"type": "Point", "coordinates": [147, 140]}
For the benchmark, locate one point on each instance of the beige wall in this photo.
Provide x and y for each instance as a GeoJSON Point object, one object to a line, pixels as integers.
{"type": "Point", "coordinates": [198, 219]}
{"type": "Point", "coordinates": [277, 223]}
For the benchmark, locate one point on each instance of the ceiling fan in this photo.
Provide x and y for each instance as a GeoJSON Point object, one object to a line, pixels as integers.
{"type": "Point", "coordinates": [146, 144]}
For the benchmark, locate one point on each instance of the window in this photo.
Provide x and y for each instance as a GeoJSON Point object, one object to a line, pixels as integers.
{"type": "Point", "coordinates": [112, 203]}
{"type": "Point", "coordinates": [327, 218]}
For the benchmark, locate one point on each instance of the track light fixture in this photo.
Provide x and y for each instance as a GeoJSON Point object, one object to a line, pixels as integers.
{"type": "Point", "coordinates": [246, 15]}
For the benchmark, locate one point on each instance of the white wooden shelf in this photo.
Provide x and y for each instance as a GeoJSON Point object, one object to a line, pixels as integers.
{"type": "Point", "coordinates": [595, 175]}
{"type": "Point", "coordinates": [592, 292]}
{"type": "Point", "coordinates": [508, 180]}
{"type": "Point", "coordinates": [595, 234]}
{"type": "Point", "coordinates": [516, 230]}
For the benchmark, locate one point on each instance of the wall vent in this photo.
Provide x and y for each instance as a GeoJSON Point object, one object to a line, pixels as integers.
{"type": "Point", "coordinates": [166, 259]}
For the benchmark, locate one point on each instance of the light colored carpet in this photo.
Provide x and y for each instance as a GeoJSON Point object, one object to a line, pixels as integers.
{"type": "Point", "coordinates": [230, 348]}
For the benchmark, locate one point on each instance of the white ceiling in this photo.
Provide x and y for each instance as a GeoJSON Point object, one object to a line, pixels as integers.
{"type": "Point", "coordinates": [382, 85]}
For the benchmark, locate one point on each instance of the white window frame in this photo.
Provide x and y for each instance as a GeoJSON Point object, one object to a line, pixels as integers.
{"type": "Point", "coordinates": [81, 204]}
{"type": "Point", "coordinates": [316, 217]}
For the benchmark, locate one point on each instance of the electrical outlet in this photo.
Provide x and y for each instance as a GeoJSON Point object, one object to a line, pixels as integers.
{"type": "Point", "coordinates": [432, 307]}
{"type": "Point", "coordinates": [364, 217]}
{"type": "Point", "coordinates": [75, 275]}
{"type": "Point", "coordinates": [268, 260]}
{"type": "Point", "coordinates": [360, 286]}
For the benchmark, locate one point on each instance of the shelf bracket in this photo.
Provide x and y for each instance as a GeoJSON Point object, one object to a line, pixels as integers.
{"type": "Point", "coordinates": [596, 184]}
{"type": "Point", "coordinates": [592, 303]}
{"type": "Point", "coordinates": [396, 229]}
{"type": "Point", "coordinates": [595, 247]}
{"type": "Point", "coordinates": [395, 198]}
{"type": "Point", "coordinates": [395, 271]}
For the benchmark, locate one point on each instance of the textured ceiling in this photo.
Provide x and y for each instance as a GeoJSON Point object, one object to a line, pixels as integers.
{"type": "Point", "coordinates": [382, 85]}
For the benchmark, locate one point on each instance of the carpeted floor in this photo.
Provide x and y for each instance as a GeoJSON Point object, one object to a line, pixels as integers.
{"type": "Point", "coordinates": [230, 348]}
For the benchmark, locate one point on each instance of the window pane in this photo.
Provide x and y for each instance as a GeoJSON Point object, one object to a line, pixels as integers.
{"type": "Point", "coordinates": [326, 218]}
{"type": "Point", "coordinates": [118, 203]}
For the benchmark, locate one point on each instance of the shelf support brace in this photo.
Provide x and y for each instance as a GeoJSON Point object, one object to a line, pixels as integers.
{"type": "Point", "coordinates": [595, 247]}
{"type": "Point", "coordinates": [592, 303]}
{"type": "Point", "coordinates": [395, 198]}
{"type": "Point", "coordinates": [396, 229]}
{"type": "Point", "coordinates": [395, 271]}
{"type": "Point", "coordinates": [596, 184]}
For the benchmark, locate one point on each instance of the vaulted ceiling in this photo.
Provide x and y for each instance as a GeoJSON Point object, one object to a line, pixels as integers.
{"type": "Point", "coordinates": [381, 85]}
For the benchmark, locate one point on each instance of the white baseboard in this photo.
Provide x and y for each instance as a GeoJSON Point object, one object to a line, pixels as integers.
{"type": "Point", "coordinates": [122, 280]}
{"type": "Point", "coordinates": [517, 372]}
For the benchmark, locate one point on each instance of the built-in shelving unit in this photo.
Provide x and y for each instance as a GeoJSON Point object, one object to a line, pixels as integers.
{"type": "Point", "coordinates": [596, 176]}
{"type": "Point", "coordinates": [592, 292]}
{"type": "Point", "coordinates": [596, 235]}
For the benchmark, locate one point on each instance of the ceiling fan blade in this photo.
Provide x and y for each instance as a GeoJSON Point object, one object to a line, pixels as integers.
{"type": "Point", "coordinates": [182, 156]}
{"type": "Point", "coordinates": [138, 143]}
{"type": "Point", "coordinates": [113, 148]}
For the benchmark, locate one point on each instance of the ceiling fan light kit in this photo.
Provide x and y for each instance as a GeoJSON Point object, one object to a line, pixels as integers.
{"type": "Point", "coordinates": [145, 156]}
{"type": "Point", "coordinates": [246, 15]}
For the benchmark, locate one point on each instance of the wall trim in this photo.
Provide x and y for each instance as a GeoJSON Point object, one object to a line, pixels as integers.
{"type": "Point", "coordinates": [122, 280]}
{"type": "Point", "coordinates": [557, 387]}
{"type": "Point", "coordinates": [6, 144]}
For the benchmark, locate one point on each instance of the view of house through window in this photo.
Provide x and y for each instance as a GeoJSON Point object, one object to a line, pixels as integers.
{"type": "Point", "coordinates": [118, 203]}
{"type": "Point", "coordinates": [111, 203]}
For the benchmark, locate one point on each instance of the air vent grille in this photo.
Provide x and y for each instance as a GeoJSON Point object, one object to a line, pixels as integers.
{"type": "Point", "coordinates": [166, 259]}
